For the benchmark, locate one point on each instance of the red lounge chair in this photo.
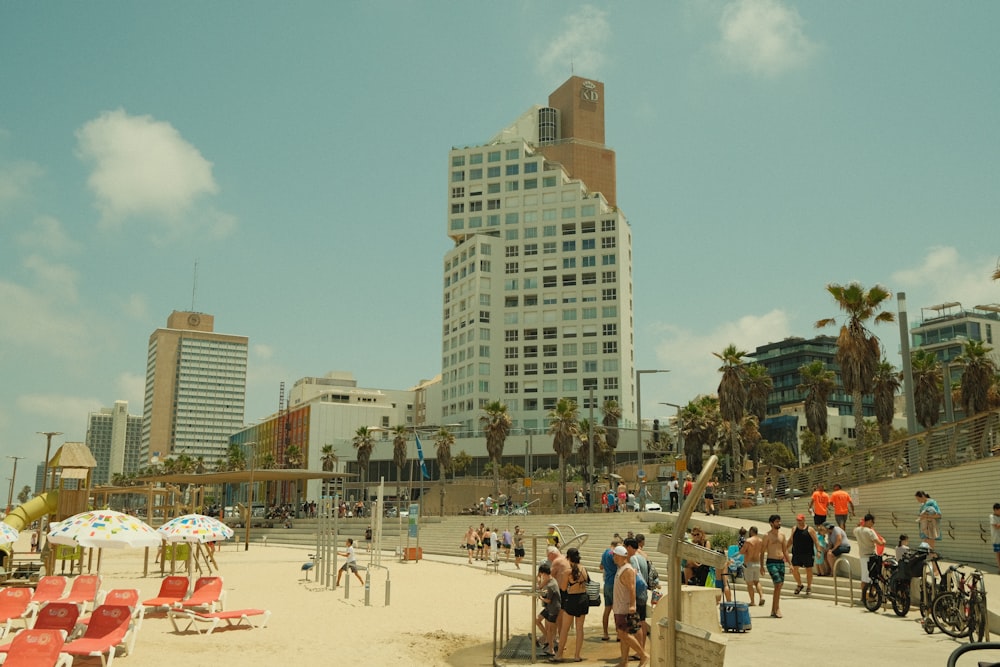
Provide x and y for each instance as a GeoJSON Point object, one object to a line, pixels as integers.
{"type": "Point", "coordinates": [128, 597]}
{"type": "Point", "coordinates": [108, 627]}
{"type": "Point", "coordinates": [233, 619]}
{"type": "Point", "coordinates": [49, 589]}
{"type": "Point", "coordinates": [38, 648]}
{"type": "Point", "coordinates": [84, 591]}
{"type": "Point", "coordinates": [54, 616]}
{"type": "Point", "coordinates": [207, 593]}
{"type": "Point", "coordinates": [173, 589]}
{"type": "Point", "coordinates": [15, 607]}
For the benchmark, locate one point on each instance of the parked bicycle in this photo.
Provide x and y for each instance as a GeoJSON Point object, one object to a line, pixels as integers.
{"type": "Point", "coordinates": [962, 612]}
{"type": "Point", "coordinates": [890, 581]}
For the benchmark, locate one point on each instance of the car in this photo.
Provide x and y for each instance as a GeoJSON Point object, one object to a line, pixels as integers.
{"type": "Point", "coordinates": [651, 506]}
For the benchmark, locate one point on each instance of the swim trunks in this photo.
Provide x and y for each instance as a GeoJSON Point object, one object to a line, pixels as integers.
{"type": "Point", "coordinates": [776, 568]}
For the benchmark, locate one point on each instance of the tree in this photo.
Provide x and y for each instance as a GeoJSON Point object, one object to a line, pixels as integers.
{"type": "Point", "coordinates": [328, 458]}
{"type": "Point", "coordinates": [818, 383]}
{"type": "Point", "coordinates": [564, 426]}
{"type": "Point", "coordinates": [460, 463]}
{"type": "Point", "coordinates": [443, 441]}
{"type": "Point", "coordinates": [612, 415]}
{"type": "Point", "coordinates": [294, 457]}
{"type": "Point", "coordinates": [364, 444]}
{"type": "Point", "coordinates": [928, 392]}
{"type": "Point", "coordinates": [236, 458]}
{"type": "Point", "coordinates": [399, 435]}
{"type": "Point", "coordinates": [496, 423]}
{"type": "Point", "coordinates": [776, 454]}
{"type": "Point", "coordinates": [885, 387]}
{"type": "Point", "coordinates": [600, 442]}
{"type": "Point", "coordinates": [858, 349]}
{"type": "Point", "coordinates": [24, 495]}
{"type": "Point", "coordinates": [701, 422]}
{"type": "Point", "coordinates": [815, 447]}
{"type": "Point", "coordinates": [733, 400]}
{"type": "Point", "coordinates": [978, 376]}
{"type": "Point", "coordinates": [759, 385]}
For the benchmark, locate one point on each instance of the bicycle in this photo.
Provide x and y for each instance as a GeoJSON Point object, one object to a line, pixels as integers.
{"type": "Point", "coordinates": [962, 612]}
{"type": "Point", "coordinates": [888, 582]}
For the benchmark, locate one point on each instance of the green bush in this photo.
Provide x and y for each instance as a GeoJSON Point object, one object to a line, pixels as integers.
{"type": "Point", "coordinates": [662, 529]}
{"type": "Point", "coordinates": [722, 540]}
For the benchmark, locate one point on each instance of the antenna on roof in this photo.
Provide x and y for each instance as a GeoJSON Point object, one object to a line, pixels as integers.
{"type": "Point", "coordinates": [194, 284]}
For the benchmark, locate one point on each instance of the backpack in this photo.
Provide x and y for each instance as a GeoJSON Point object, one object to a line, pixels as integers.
{"type": "Point", "coordinates": [641, 587]}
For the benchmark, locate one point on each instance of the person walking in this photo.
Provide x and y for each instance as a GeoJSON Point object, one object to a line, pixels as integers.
{"type": "Point", "coordinates": [842, 506]}
{"type": "Point", "coordinates": [518, 546]}
{"type": "Point", "coordinates": [350, 564]}
{"type": "Point", "coordinates": [609, 570]}
{"type": "Point", "coordinates": [625, 610]}
{"type": "Point", "coordinates": [804, 545]}
{"type": "Point", "coordinates": [752, 551]}
{"type": "Point", "coordinates": [819, 505]}
{"type": "Point", "coordinates": [867, 539]}
{"type": "Point", "coordinates": [995, 532]}
{"type": "Point", "coordinates": [776, 554]}
{"type": "Point", "coordinates": [674, 488]}
{"type": "Point", "coordinates": [575, 604]}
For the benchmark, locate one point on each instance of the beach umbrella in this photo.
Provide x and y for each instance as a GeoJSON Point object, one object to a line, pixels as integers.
{"type": "Point", "coordinates": [8, 534]}
{"type": "Point", "coordinates": [194, 529]}
{"type": "Point", "coordinates": [102, 529]}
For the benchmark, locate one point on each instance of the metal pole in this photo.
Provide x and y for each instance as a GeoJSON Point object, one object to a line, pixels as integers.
{"type": "Point", "coordinates": [246, 537]}
{"type": "Point", "coordinates": [590, 441]}
{"type": "Point", "coordinates": [638, 424]}
{"type": "Point", "coordinates": [45, 475]}
{"type": "Point", "coordinates": [10, 494]}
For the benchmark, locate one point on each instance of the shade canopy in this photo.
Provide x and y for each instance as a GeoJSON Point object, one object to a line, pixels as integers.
{"type": "Point", "coordinates": [195, 528]}
{"type": "Point", "coordinates": [101, 529]}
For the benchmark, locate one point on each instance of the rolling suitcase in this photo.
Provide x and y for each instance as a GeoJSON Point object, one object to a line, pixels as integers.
{"type": "Point", "coordinates": [734, 616]}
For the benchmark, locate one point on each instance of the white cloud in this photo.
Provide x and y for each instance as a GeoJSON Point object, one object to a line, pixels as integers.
{"type": "Point", "coordinates": [261, 351]}
{"type": "Point", "coordinates": [944, 275]}
{"type": "Point", "coordinates": [580, 45]}
{"type": "Point", "coordinates": [16, 180]}
{"type": "Point", "coordinates": [58, 408]}
{"type": "Point", "coordinates": [144, 167]}
{"type": "Point", "coordinates": [136, 307]}
{"type": "Point", "coordinates": [56, 280]}
{"type": "Point", "coordinates": [131, 388]}
{"type": "Point", "coordinates": [47, 234]}
{"type": "Point", "coordinates": [764, 37]}
{"type": "Point", "coordinates": [688, 354]}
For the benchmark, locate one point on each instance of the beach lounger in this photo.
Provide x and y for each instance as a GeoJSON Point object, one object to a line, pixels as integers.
{"type": "Point", "coordinates": [53, 616]}
{"type": "Point", "coordinates": [173, 589]}
{"type": "Point", "coordinates": [108, 628]}
{"type": "Point", "coordinates": [49, 589]}
{"type": "Point", "coordinates": [208, 593]}
{"type": "Point", "coordinates": [38, 648]}
{"type": "Point", "coordinates": [15, 607]}
{"type": "Point", "coordinates": [126, 596]}
{"type": "Point", "coordinates": [84, 591]}
{"type": "Point", "coordinates": [214, 620]}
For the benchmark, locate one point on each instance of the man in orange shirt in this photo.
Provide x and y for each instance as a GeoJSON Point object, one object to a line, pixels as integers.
{"type": "Point", "coordinates": [842, 505]}
{"type": "Point", "coordinates": [819, 505]}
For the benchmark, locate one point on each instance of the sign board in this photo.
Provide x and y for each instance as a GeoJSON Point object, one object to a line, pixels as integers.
{"type": "Point", "coordinates": [693, 552]}
{"type": "Point", "coordinates": [527, 482]}
{"type": "Point", "coordinates": [412, 523]}
{"type": "Point", "coordinates": [681, 465]}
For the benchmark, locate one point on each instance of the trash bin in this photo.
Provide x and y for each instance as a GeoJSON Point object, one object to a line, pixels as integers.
{"type": "Point", "coordinates": [413, 553]}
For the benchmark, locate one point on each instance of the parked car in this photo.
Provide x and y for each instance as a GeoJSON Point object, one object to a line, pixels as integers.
{"type": "Point", "coordinates": [651, 506]}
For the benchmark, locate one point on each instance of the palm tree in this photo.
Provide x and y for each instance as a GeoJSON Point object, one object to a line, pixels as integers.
{"type": "Point", "coordinates": [364, 443]}
{"type": "Point", "coordinates": [928, 393]}
{"type": "Point", "coordinates": [733, 400]}
{"type": "Point", "coordinates": [443, 441]}
{"type": "Point", "coordinates": [236, 458]}
{"type": "Point", "coordinates": [399, 435]}
{"type": "Point", "coordinates": [700, 419]}
{"type": "Point", "coordinates": [328, 458]}
{"type": "Point", "coordinates": [858, 349]}
{"type": "Point", "coordinates": [885, 387]}
{"type": "Point", "coordinates": [564, 425]}
{"type": "Point", "coordinates": [612, 415]}
{"type": "Point", "coordinates": [818, 383]}
{"type": "Point", "coordinates": [293, 457]}
{"type": "Point", "coordinates": [978, 376]}
{"type": "Point", "coordinates": [495, 422]}
{"type": "Point", "coordinates": [759, 384]}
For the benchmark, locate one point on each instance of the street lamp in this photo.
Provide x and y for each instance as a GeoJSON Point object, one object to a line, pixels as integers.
{"type": "Point", "coordinates": [638, 416]}
{"type": "Point", "coordinates": [246, 538]}
{"type": "Point", "coordinates": [680, 424]}
{"type": "Point", "coordinates": [10, 494]}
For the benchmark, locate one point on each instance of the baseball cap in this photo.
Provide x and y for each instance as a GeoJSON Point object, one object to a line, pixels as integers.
{"type": "Point", "coordinates": [828, 525]}
{"type": "Point", "coordinates": [801, 517]}
{"type": "Point", "coordinates": [619, 551]}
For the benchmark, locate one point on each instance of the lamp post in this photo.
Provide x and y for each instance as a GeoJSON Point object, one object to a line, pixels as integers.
{"type": "Point", "coordinates": [10, 494]}
{"type": "Point", "coordinates": [253, 455]}
{"type": "Point", "coordinates": [638, 417]}
{"type": "Point", "coordinates": [680, 432]}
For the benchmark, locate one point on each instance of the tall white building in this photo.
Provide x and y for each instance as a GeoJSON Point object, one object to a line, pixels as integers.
{"type": "Point", "coordinates": [195, 389]}
{"type": "Point", "coordinates": [537, 301]}
{"type": "Point", "coordinates": [114, 438]}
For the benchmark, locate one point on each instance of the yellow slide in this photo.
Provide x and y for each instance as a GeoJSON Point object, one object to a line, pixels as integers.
{"type": "Point", "coordinates": [22, 516]}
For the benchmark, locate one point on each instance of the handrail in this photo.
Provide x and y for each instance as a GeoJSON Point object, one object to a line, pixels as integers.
{"type": "Point", "coordinates": [501, 617]}
{"type": "Point", "coordinates": [965, 648]}
{"type": "Point", "coordinates": [850, 578]}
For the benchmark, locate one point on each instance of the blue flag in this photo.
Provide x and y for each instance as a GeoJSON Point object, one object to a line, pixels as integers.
{"type": "Point", "coordinates": [420, 455]}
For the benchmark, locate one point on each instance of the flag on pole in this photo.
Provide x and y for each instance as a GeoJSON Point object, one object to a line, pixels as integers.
{"type": "Point", "coordinates": [420, 455]}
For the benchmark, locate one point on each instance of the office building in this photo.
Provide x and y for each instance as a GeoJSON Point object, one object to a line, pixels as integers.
{"type": "Point", "coordinates": [114, 438]}
{"type": "Point", "coordinates": [537, 288]}
{"type": "Point", "coordinates": [945, 327]}
{"type": "Point", "coordinates": [195, 389]}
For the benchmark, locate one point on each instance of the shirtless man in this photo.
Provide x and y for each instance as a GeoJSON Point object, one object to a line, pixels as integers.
{"type": "Point", "coordinates": [776, 554]}
{"type": "Point", "coordinates": [753, 550]}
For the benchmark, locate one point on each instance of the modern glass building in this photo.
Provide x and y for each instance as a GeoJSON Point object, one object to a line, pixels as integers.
{"type": "Point", "coordinates": [537, 288]}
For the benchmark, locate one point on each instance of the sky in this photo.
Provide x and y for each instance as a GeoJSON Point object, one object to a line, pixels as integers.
{"type": "Point", "coordinates": [284, 166]}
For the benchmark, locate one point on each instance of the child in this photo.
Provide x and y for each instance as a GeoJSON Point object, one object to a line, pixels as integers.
{"type": "Point", "coordinates": [902, 547]}
{"type": "Point", "coordinates": [995, 532]}
{"type": "Point", "coordinates": [548, 590]}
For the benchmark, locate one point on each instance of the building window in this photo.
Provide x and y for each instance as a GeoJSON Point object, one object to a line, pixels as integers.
{"type": "Point", "coordinates": [530, 248]}
{"type": "Point", "coordinates": [569, 212]}
{"type": "Point", "coordinates": [510, 370]}
{"type": "Point", "coordinates": [457, 176]}
{"type": "Point", "coordinates": [550, 350]}
{"type": "Point", "coordinates": [569, 262]}
{"type": "Point", "coordinates": [530, 351]}
{"type": "Point", "coordinates": [590, 348]}
{"type": "Point", "coordinates": [530, 167]}
{"type": "Point", "coordinates": [511, 251]}
{"type": "Point", "coordinates": [511, 267]}
{"type": "Point", "coordinates": [609, 277]}
{"type": "Point", "coordinates": [476, 158]}
{"type": "Point", "coordinates": [457, 192]}
{"type": "Point", "coordinates": [569, 246]}
{"type": "Point", "coordinates": [531, 334]}
{"type": "Point", "coordinates": [569, 314]}
{"type": "Point", "coordinates": [484, 316]}
{"type": "Point", "coordinates": [590, 366]}
{"type": "Point", "coordinates": [484, 351]}
{"type": "Point", "coordinates": [475, 174]}
{"type": "Point", "coordinates": [493, 188]}
{"type": "Point", "coordinates": [492, 204]}
{"type": "Point", "coordinates": [510, 335]}
{"type": "Point", "coordinates": [607, 225]}
{"type": "Point", "coordinates": [458, 208]}
{"type": "Point", "coordinates": [550, 367]}
{"type": "Point", "coordinates": [589, 313]}
{"type": "Point", "coordinates": [549, 403]}
{"type": "Point", "coordinates": [510, 353]}
{"type": "Point", "coordinates": [569, 367]}
{"type": "Point", "coordinates": [610, 347]}
{"type": "Point", "coordinates": [475, 206]}
{"type": "Point", "coordinates": [513, 153]}
{"type": "Point", "coordinates": [569, 279]}
{"type": "Point", "coordinates": [568, 230]}
{"type": "Point", "coordinates": [493, 156]}
{"type": "Point", "coordinates": [550, 333]}
{"type": "Point", "coordinates": [609, 329]}
{"type": "Point", "coordinates": [608, 242]}
{"type": "Point", "coordinates": [610, 383]}
{"type": "Point", "coordinates": [513, 169]}
{"type": "Point", "coordinates": [510, 387]}
{"type": "Point", "coordinates": [608, 260]}
{"type": "Point", "coordinates": [530, 369]}
{"type": "Point", "coordinates": [549, 281]}
{"type": "Point", "coordinates": [589, 383]}
{"type": "Point", "coordinates": [458, 161]}
{"type": "Point", "coordinates": [609, 294]}
{"type": "Point", "coordinates": [609, 365]}
{"type": "Point", "coordinates": [531, 184]}
{"type": "Point", "coordinates": [512, 186]}
{"type": "Point", "coordinates": [587, 244]}
{"type": "Point", "coordinates": [590, 260]}
{"type": "Point", "coordinates": [609, 311]}
{"type": "Point", "coordinates": [510, 301]}
{"type": "Point", "coordinates": [484, 265]}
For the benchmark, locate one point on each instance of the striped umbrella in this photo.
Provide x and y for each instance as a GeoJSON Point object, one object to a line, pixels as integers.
{"type": "Point", "coordinates": [195, 528]}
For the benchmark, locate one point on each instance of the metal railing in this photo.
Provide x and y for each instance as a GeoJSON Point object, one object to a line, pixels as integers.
{"type": "Point", "coordinates": [850, 579]}
{"type": "Point", "coordinates": [939, 448]}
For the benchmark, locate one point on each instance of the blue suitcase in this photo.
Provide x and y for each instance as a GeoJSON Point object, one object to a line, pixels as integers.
{"type": "Point", "coordinates": [734, 616]}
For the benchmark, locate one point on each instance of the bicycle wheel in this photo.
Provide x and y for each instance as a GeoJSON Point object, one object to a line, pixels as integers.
{"type": "Point", "coordinates": [873, 597]}
{"type": "Point", "coordinates": [927, 589]}
{"type": "Point", "coordinates": [982, 626]}
{"type": "Point", "coordinates": [950, 582]}
{"type": "Point", "coordinates": [951, 615]}
{"type": "Point", "coordinates": [901, 598]}
{"type": "Point", "coordinates": [977, 622]}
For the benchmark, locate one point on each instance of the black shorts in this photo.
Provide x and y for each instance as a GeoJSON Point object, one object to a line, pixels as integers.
{"type": "Point", "coordinates": [802, 560]}
{"type": "Point", "coordinates": [550, 618]}
{"type": "Point", "coordinates": [519, 552]}
{"type": "Point", "coordinates": [576, 604]}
